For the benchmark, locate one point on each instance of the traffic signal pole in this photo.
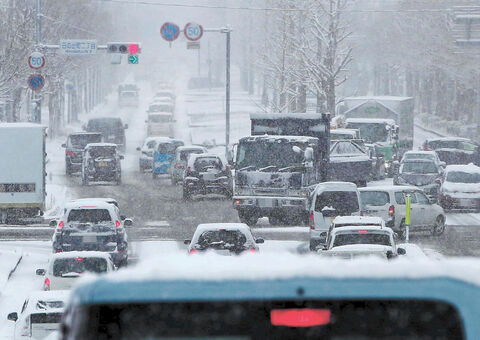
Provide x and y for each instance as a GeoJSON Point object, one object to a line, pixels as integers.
{"type": "Point", "coordinates": [37, 112]}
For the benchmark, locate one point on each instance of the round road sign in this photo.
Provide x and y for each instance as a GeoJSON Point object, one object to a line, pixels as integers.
{"type": "Point", "coordinates": [36, 60]}
{"type": "Point", "coordinates": [36, 82]}
{"type": "Point", "coordinates": [193, 31]}
{"type": "Point", "coordinates": [169, 31]}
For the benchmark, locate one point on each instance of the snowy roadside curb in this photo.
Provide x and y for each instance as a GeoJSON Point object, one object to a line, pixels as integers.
{"type": "Point", "coordinates": [9, 261]}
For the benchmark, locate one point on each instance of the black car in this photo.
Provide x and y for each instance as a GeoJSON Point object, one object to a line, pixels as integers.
{"type": "Point", "coordinates": [349, 163]}
{"type": "Point", "coordinates": [112, 130]}
{"type": "Point", "coordinates": [206, 174]}
{"type": "Point", "coordinates": [421, 173]}
{"type": "Point", "coordinates": [101, 162]}
{"type": "Point", "coordinates": [74, 146]}
{"type": "Point", "coordinates": [454, 150]}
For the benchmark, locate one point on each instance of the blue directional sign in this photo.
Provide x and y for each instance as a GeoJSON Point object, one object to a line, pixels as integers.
{"type": "Point", "coordinates": [36, 82]}
{"type": "Point", "coordinates": [170, 31]}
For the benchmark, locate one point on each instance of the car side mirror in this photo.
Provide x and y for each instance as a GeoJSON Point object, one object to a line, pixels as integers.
{"type": "Point", "coordinates": [187, 242]}
{"type": "Point", "coordinates": [259, 241]}
{"type": "Point", "coordinates": [139, 149]}
{"type": "Point", "coordinates": [125, 126]}
{"type": "Point", "coordinates": [12, 316]}
{"type": "Point", "coordinates": [40, 272]}
{"type": "Point", "coordinates": [443, 164]}
{"type": "Point", "coordinates": [127, 222]}
{"type": "Point", "coordinates": [121, 157]}
{"type": "Point", "coordinates": [53, 223]}
{"type": "Point", "coordinates": [64, 145]}
{"type": "Point", "coordinates": [122, 217]}
{"type": "Point", "coordinates": [401, 251]}
{"type": "Point", "coordinates": [325, 247]}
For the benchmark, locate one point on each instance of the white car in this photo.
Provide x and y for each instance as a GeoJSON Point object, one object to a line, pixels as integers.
{"type": "Point", "coordinates": [147, 149]}
{"type": "Point", "coordinates": [160, 124]}
{"type": "Point", "coordinates": [388, 202]}
{"type": "Point", "coordinates": [65, 268]}
{"type": "Point", "coordinates": [460, 187]}
{"type": "Point", "coordinates": [223, 239]}
{"type": "Point", "coordinates": [327, 201]}
{"type": "Point", "coordinates": [347, 221]}
{"type": "Point", "coordinates": [40, 315]}
{"type": "Point", "coordinates": [353, 241]}
{"type": "Point", "coordinates": [424, 155]}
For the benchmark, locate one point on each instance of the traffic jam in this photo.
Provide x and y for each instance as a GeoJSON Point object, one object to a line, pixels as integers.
{"type": "Point", "coordinates": [193, 199]}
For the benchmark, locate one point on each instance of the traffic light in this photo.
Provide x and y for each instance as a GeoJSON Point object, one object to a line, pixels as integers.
{"type": "Point", "coordinates": [133, 59]}
{"type": "Point", "coordinates": [132, 48]}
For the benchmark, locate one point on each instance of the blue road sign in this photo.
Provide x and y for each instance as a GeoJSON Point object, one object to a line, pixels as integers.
{"type": "Point", "coordinates": [36, 82]}
{"type": "Point", "coordinates": [170, 31]}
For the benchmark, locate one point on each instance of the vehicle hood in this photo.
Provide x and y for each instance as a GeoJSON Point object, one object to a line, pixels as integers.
{"type": "Point", "coordinates": [461, 187]}
{"type": "Point", "coordinates": [418, 179]}
{"type": "Point", "coordinates": [275, 180]}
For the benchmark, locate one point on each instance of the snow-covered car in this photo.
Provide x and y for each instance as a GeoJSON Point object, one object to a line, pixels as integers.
{"type": "Point", "coordinates": [145, 161]}
{"type": "Point", "coordinates": [378, 161]}
{"type": "Point", "coordinates": [347, 221]}
{"type": "Point", "coordinates": [349, 162]}
{"type": "Point", "coordinates": [165, 93]}
{"type": "Point", "coordinates": [74, 146]}
{"type": "Point", "coordinates": [128, 98]}
{"type": "Point", "coordinates": [111, 128]}
{"type": "Point", "coordinates": [423, 174]}
{"type": "Point", "coordinates": [327, 201]}
{"type": "Point", "coordinates": [180, 161]}
{"type": "Point", "coordinates": [160, 124]}
{"type": "Point", "coordinates": [388, 202]}
{"type": "Point", "coordinates": [454, 150]}
{"type": "Point", "coordinates": [460, 187]}
{"type": "Point", "coordinates": [206, 174]}
{"type": "Point", "coordinates": [101, 162]}
{"type": "Point", "coordinates": [92, 225]}
{"type": "Point", "coordinates": [40, 315]}
{"type": "Point", "coordinates": [425, 155]}
{"type": "Point", "coordinates": [65, 268]}
{"type": "Point", "coordinates": [353, 241]}
{"type": "Point", "coordinates": [223, 239]}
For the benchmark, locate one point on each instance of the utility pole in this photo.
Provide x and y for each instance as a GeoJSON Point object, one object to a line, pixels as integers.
{"type": "Point", "coordinates": [37, 117]}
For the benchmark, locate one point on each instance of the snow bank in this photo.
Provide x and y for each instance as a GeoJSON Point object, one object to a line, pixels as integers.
{"type": "Point", "coordinates": [9, 259]}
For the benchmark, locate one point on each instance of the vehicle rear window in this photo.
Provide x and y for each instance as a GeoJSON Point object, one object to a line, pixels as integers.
{"type": "Point", "coordinates": [221, 239]}
{"type": "Point", "coordinates": [205, 163]}
{"type": "Point", "coordinates": [344, 202]}
{"type": "Point", "coordinates": [444, 144]}
{"type": "Point", "coordinates": [102, 151]}
{"type": "Point", "coordinates": [104, 125]}
{"type": "Point", "coordinates": [77, 265]}
{"type": "Point", "coordinates": [252, 320]}
{"type": "Point", "coordinates": [374, 198]}
{"type": "Point", "coordinates": [80, 141]}
{"type": "Point", "coordinates": [364, 238]}
{"type": "Point", "coordinates": [400, 197]}
{"type": "Point", "coordinates": [89, 215]}
{"type": "Point", "coordinates": [184, 154]}
{"type": "Point", "coordinates": [166, 148]}
{"type": "Point", "coordinates": [159, 118]}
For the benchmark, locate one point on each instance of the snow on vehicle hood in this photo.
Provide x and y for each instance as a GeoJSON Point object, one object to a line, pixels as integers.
{"type": "Point", "coordinates": [418, 179]}
{"type": "Point", "coordinates": [461, 187]}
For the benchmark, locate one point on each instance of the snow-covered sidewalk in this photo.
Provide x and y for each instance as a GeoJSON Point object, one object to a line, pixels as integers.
{"type": "Point", "coordinates": [9, 260]}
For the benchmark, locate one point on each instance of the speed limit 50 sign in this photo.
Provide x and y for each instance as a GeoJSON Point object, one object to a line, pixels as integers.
{"type": "Point", "coordinates": [193, 31]}
{"type": "Point", "coordinates": [36, 60]}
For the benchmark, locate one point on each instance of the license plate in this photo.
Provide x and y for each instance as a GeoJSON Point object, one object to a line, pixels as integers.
{"type": "Point", "coordinates": [89, 239]}
{"type": "Point", "coordinates": [102, 163]}
{"type": "Point", "coordinates": [263, 203]}
{"type": "Point", "coordinates": [208, 177]}
{"type": "Point", "coordinates": [466, 202]}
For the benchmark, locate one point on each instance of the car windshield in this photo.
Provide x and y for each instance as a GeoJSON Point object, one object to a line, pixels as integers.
{"type": "Point", "coordinates": [80, 141]}
{"type": "Point", "coordinates": [361, 237]}
{"type": "Point", "coordinates": [78, 265]}
{"type": "Point", "coordinates": [50, 304]}
{"type": "Point", "coordinates": [262, 154]}
{"type": "Point", "coordinates": [102, 151]}
{"type": "Point", "coordinates": [370, 132]}
{"type": "Point", "coordinates": [374, 198]}
{"type": "Point", "coordinates": [463, 177]}
{"type": "Point", "coordinates": [89, 215]}
{"type": "Point", "coordinates": [185, 153]}
{"type": "Point", "coordinates": [205, 163]}
{"type": "Point", "coordinates": [104, 125]}
{"type": "Point", "coordinates": [419, 168]}
{"type": "Point", "coordinates": [221, 239]}
{"type": "Point", "coordinates": [159, 118]}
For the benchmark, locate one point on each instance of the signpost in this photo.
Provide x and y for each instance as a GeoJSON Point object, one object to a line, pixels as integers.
{"type": "Point", "coordinates": [193, 31]}
{"type": "Point", "coordinates": [193, 45]}
{"type": "Point", "coordinates": [408, 202]}
{"type": "Point", "coordinates": [36, 60]}
{"type": "Point", "coordinates": [170, 31]}
{"type": "Point", "coordinates": [78, 47]}
{"type": "Point", "coordinates": [36, 82]}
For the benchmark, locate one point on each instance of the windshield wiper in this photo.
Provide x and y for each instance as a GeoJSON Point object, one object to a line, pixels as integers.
{"type": "Point", "coordinates": [267, 168]}
{"type": "Point", "coordinates": [250, 167]}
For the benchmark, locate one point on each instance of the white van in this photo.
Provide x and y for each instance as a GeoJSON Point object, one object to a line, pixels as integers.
{"type": "Point", "coordinates": [329, 200]}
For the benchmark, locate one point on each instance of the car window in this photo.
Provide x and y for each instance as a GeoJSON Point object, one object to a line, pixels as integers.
{"type": "Point", "coordinates": [421, 198]}
{"type": "Point", "coordinates": [345, 148]}
{"type": "Point", "coordinates": [468, 146]}
{"type": "Point", "coordinates": [66, 266]}
{"type": "Point", "coordinates": [205, 163]}
{"type": "Point", "coordinates": [159, 118]}
{"type": "Point", "coordinates": [344, 202]}
{"type": "Point", "coordinates": [375, 198]}
{"type": "Point", "coordinates": [463, 177]}
{"type": "Point", "coordinates": [151, 144]}
{"type": "Point", "coordinates": [361, 238]}
{"type": "Point", "coordinates": [221, 239]}
{"type": "Point", "coordinates": [80, 141]}
{"type": "Point", "coordinates": [400, 197]}
{"type": "Point", "coordinates": [89, 215]}
{"type": "Point", "coordinates": [418, 167]}
{"type": "Point", "coordinates": [102, 151]}
{"type": "Point", "coordinates": [184, 154]}
{"type": "Point", "coordinates": [166, 148]}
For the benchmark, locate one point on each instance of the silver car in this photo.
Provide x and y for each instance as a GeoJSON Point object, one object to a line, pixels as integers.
{"type": "Point", "coordinates": [180, 161]}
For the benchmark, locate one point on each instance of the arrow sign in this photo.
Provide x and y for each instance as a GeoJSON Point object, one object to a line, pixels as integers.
{"type": "Point", "coordinates": [36, 82]}
{"type": "Point", "coordinates": [170, 31]}
{"type": "Point", "coordinates": [36, 60]}
{"type": "Point", "coordinates": [193, 31]}
{"type": "Point", "coordinates": [133, 59]}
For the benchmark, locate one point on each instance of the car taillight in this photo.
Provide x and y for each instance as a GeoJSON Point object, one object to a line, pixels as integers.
{"type": "Point", "coordinates": [59, 250]}
{"type": "Point", "coordinates": [192, 251]}
{"type": "Point", "coordinates": [253, 250]}
{"type": "Point", "coordinates": [79, 259]}
{"type": "Point", "coordinates": [61, 224]}
{"type": "Point", "coordinates": [117, 223]}
{"type": "Point", "coordinates": [425, 148]}
{"type": "Point", "coordinates": [178, 165]}
{"type": "Point", "coordinates": [188, 170]}
{"type": "Point", "coordinates": [71, 153]}
{"type": "Point", "coordinates": [46, 285]}
{"type": "Point", "coordinates": [391, 210]}
{"type": "Point", "coordinates": [312, 221]}
{"type": "Point", "coordinates": [307, 317]}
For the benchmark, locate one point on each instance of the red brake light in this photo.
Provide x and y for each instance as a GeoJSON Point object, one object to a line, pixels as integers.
{"type": "Point", "coordinates": [391, 210]}
{"type": "Point", "coordinates": [178, 165]}
{"type": "Point", "coordinates": [117, 223]}
{"type": "Point", "coordinates": [79, 259]}
{"type": "Point", "coordinates": [188, 169]}
{"type": "Point", "coordinates": [252, 250]}
{"type": "Point", "coordinates": [61, 224]}
{"type": "Point", "coordinates": [312, 221]}
{"type": "Point", "coordinates": [70, 153]}
{"type": "Point", "coordinates": [227, 168]}
{"type": "Point", "coordinates": [300, 317]}
{"type": "Point", "coordinates": [192, 251]}
{"type": "Point", "coordinates": [425, 148]}
{"type": "Point", "coordinates": [362, 231]}
{"type": "Point", "coordinates": [46, 285]}
{"type": "Point", "coordinates": [59, 250]}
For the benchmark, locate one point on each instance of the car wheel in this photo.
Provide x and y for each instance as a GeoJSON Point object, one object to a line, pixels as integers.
{"type": "Point", "coordinates": [439, 227]}
{"type": "Point", "coordinates": [247, 218]}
